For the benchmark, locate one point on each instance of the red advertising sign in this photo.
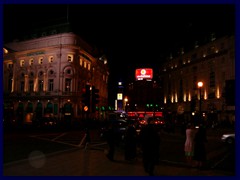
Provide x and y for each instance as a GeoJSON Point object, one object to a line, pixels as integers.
{"type": "Point", "coordinates": [144, 73]}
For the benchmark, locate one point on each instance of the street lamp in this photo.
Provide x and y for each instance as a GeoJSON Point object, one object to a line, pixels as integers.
{"type": "Point", "coordinates": [200, 85]}
{"type": "Point", "coordinates": [125, 103]}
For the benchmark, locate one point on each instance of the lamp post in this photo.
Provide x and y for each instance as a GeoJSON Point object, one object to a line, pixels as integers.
{"type": "Point", "coordinates": [200, 85]}
{"type": "Point", "coordinates": [125, 103]}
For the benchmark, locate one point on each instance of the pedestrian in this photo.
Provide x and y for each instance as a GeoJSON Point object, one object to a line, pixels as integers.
{"type": "Point", "coordinates": [87, 138]}
{"type": "Point", "coordinates": [200, 139]}
{"type": "Point", "coordinates": [111, 141]}
{"type": "Point", "coordinates": [189, 143]}
{"type": "Point", "coordinates": [130, 143]}
{"type": "Point", "coordinates": [150, 142]}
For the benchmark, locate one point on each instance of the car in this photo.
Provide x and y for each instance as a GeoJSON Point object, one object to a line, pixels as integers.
{"type": "Point", "coordinates": [228, 138]}
{"type": "Point", "coordinates": [44, 122]}
{"type": "Point", "coordinates": [119, 125]}
{"type": "Point", "coordinates": [159, 122]}
{"type": "Point", "coordinates": [136, 124]}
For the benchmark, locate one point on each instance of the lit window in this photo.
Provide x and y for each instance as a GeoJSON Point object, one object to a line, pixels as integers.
{"type": "Point", "coordinates": [5, 50]}
{"type": "Point", "coordinates": [81, 62]}
{"type": "Point", "coordinates": [85, 64]}
{"type": "Point", "coordinates": [70, 58]}
{"type": "Point", "coordinates": [50, 59]}
{"type": "Point", "coordinates": [89, 66]}
{"type": "Point", "coordinates": [22, 63]}
{"type": "Point", "coordinates": [40, 61]}
{"type": "Point", "coordinates": [30, 62]}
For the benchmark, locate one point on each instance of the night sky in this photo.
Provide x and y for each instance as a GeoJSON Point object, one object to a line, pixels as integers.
{"type": "Point", "coordinates": [131, 36]}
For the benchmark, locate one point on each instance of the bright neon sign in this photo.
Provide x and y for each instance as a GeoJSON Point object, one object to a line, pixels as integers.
{"type": "Point", "coordinates": [144, 73]}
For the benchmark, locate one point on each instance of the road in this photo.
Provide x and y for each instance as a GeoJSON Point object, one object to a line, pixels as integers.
{"type": "Point", "coordinates": [23, 144]}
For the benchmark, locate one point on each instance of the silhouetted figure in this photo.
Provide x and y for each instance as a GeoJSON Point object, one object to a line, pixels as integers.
{"type": "Point", "coordinates": [111, 140]}
{"type": "Point", "coordinates": [130, 143]}
{"type": "Point", "coordinates": [150, 142]}
{"type": "Point", "coordinates": [87, 138]}
{"type": "Point", "coordinates": [199, 146]}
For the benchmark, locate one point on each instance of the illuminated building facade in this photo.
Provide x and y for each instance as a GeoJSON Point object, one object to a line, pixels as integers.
{"type": "Point", "coordinates": [214, 65]}
{"type": "Point", "coordinates": [47, 75]}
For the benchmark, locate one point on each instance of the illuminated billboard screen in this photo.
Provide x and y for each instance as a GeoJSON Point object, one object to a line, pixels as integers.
{"type": "Point", "coordinates": [144, 73]}
{"type": "Point", "coordinates": [119, 96]}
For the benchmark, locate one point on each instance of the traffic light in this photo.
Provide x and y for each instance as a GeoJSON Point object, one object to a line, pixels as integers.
{"type": "Point", "coordinates": [95, 98]}
{"type": "Point", "coordinates": [86, 96]}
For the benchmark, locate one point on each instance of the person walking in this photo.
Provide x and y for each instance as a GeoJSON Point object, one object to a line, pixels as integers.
{"type": "Point", "coordinates": [111, 141]}
{"type": "Point", "coordinates": [87, 138]}
{"type": "Point", "coordinates": [130, 143]}
{"type": "Point", "coordinates": [150, 143]}
{"type": "Point", "coordinates": [200, 139]}
{"type": "Point", "coordinates": [189, 143]}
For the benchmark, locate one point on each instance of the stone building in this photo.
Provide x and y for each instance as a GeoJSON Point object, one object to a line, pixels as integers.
{"type": "Point", "coordinates": [47, 76]}
{"type": "Point", "coordinates": [213, 64]}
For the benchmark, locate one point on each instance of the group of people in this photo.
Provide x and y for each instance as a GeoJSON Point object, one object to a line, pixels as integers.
{"type": "Point", "coordinates": [148, 140]}
{"type": "Point", "coordinates": [194, 147]}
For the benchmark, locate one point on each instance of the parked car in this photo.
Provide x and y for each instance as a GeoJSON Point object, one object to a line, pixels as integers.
{"type": "Point", "coordinates": [228, 138]}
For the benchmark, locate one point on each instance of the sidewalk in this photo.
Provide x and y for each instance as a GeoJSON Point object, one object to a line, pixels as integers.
{"type": "Point", "coordinates": [92, 162]}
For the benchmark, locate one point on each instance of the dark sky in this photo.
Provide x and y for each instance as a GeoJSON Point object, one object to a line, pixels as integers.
{"type": "Point", "coordinates": [131, 36]}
